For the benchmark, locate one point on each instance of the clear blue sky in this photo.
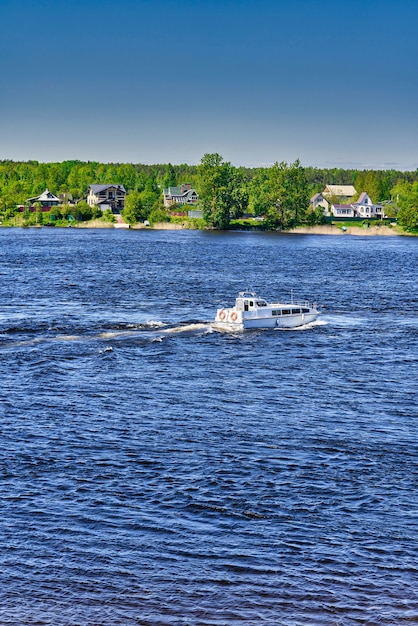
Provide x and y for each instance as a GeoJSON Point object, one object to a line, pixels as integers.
{"type": "Point", "coordinates": [333, 83]}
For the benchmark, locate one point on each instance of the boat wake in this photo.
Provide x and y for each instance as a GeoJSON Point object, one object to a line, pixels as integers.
{"type": "Point", "coordinates": [188, 328]}
{"type": "Point", "coordinates": [151, 331]}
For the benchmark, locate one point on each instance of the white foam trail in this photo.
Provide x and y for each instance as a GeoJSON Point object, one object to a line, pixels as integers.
{"type": "Point", "coordinates": [115, 333]}
{"type": "Point", "coordinates": [154, 324]}
{"type": "Point", "coordinates": [188, 328]}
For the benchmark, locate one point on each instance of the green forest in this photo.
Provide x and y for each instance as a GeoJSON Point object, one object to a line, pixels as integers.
{"type": "Point", "coordinates": [279, 193]}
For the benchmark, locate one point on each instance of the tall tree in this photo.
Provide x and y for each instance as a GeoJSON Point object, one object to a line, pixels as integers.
{"type": "Point", "coordinates": [169, 179]}
{"type": "Point", "coordinates": [288, 195]}
{"type": "Point", "coordinates": [134, 210]}
{"type": "Point", "coordinates": [239, 192]}
{"type": "Point", "coordinates": [406, 195]}
{"type": "Point", "coordinates": [215, 184]}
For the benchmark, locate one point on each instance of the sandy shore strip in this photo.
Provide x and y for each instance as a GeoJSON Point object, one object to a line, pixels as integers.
{"type": "Point", "coordinates": [328, 229]}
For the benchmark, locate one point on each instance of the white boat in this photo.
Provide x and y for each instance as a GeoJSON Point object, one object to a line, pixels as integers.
{"type": "Point", "coordinates": [250, 311]}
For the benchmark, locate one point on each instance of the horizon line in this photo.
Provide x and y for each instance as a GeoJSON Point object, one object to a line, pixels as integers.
{"type": "Point", "coordinates": [327, 165]}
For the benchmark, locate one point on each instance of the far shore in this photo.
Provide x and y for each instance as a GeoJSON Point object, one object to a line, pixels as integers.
{"type": "Point", "coordinates": [325, 229]}
{"type": "Point", "coordinates": [329, 229]}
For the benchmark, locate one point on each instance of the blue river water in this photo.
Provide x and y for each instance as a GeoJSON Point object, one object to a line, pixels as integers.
{"type": "Point", "coordinates": [156, 471]}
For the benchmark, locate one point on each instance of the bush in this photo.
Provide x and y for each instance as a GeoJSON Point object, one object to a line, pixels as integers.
{"type": "Point", "coordinates": [108, 216]}
{"type": "Point", "coordinates": [158, 215]}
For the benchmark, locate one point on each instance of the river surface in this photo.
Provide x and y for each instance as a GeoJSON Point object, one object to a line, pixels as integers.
{"type": "Point", "coordinates": [154, 471]}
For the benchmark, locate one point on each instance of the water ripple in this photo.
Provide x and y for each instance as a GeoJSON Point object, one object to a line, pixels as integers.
{"type": "Point", "coordinates": [155, 472]}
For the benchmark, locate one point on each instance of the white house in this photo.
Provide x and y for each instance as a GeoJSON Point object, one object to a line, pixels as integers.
{"type": "Point", "coordinates": [180, 195]}
{"type": "Point", "coordinates": [364, 207]}
{"type": "Point", "coordinates": [344, 193]}
{"type": "Point", "coordinates": [107, 197]}
{"type": "Point", "coordinates": [342, 210]}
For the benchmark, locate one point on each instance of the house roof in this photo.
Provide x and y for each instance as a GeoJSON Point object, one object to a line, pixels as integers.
{"type": "Point", "coordinates": [316, 196]}
{"type": "Point", "coordinates": [178, 191]}
{"type": "Point", "coordinates": [99, 188]}
{"type": "Point", "coordinates": [362, 197]}
{"type": "Point", "coordinates": [340, 190]}
{"type": "Point", "coordinates": [44, 197]}
{"type": "Point", "coordinates": [342, 206]}
{"type": "Point", "coordinates": [173, 191]}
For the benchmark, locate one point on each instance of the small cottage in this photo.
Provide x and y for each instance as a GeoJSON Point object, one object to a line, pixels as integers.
{"type": "Point", "coordinates": [46, 199]}
{"type": "Point", "coordinates": [342, 210]}
{"type": "Point", "coordinates": [318, 200]}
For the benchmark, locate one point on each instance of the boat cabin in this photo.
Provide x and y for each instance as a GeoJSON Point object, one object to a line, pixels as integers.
{"type": "Point", "coordinates": [248, 301]}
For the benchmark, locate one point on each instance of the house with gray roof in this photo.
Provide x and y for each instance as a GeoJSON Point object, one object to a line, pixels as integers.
{"type": "Point", "coordinates": [184, 194]}
{"type": "Point", "coordinates": [105, 197]}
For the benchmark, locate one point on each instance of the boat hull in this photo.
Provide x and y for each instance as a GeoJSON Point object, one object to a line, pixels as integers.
{"type": "Point", "coordinates": [290, 321]}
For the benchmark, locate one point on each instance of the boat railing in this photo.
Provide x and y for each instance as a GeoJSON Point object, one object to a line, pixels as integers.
{"type": "Point", "coordinates": [305, 303]}
{"type": "Point", "coordinates": [247, 294]}
{"type": "Point", "coordinates": [302, 303]}
{"type": "Point", "coordinates": [296, 303]}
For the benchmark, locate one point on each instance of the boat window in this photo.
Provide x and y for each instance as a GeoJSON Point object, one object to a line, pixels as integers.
{"type": "Point", "coordinates": [285, 311]}
{"type": "Point", "coordinates": [295, 311]}
{"type": "Point", "coordinates": [261, 303]}
{"type": "Point", "coordinates": [305, 310]}
{"type": "Point", "coordinates": [276, 312]}
{"type": "Point", "coordinates": [245, 305]}
{"type": "Point", "coordinates": [251, 303]}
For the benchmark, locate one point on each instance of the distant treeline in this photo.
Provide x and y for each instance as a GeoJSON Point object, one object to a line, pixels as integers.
{"type": "Point", "coordinates": [20, 180]}
{"type": "Point", "coordinates": [280, 192]}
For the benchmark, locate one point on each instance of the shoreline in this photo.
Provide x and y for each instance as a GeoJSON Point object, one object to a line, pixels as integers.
{"type": "Point", "coordinates": [325, 229]}
{"type": "Point", "coordinates": [328, 229]}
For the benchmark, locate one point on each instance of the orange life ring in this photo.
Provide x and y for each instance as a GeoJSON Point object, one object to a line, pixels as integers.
{"type": "Point", "coordinates": [233, 316]}
{"type": "Point", "coordinates": [222, 315]}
